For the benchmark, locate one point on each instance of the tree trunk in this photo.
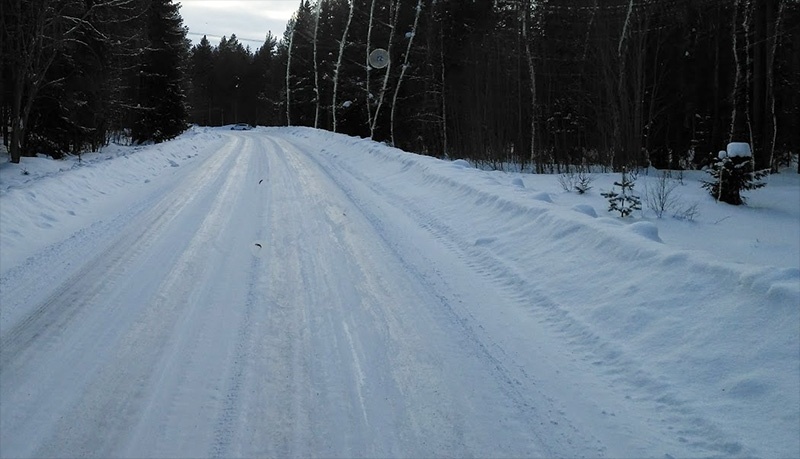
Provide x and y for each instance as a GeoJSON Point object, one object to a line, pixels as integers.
{"type": "Point", "coordinates": [772, 49]}
{"type": "Point", "coordinates": [316, 67]}
{"type": "Point", "coordinates": [623, 113]}
{"type": "Point", "coordinates": [16, 121]}
{"type": "Point", "coordinates": [342, 45]}
{"type": "Point", "coordinates": [532, 72]}
{"type": "Point", "coordinates": [739, 131]}
{"type": "Point", "coordinates": [445, 150]}
{"type": "Point", "coordinates": [405, 66]}
{"type": "Point", "coordinates": [288, 73]}
{"type": "Point", "coordinates": [392, 27]}
{"type": "Point", "coordinates": [368, 68]}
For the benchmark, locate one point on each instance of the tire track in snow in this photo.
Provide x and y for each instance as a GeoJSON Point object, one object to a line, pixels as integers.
{"type": "Point", "coordinates": [229, 421]}
{"type": "Point", "coordinates": [41, 370]}
{"type": "Point", "coordinates": [445, 303]}
{"type": "Point", "coordinates": [117, 395]}
{"type": "Point", "coordinates": [587, 346]}
{"type": "Point", "coordinates": [82, 288]}
{"type": "Point", "coordinates": [280, 345]}
{"type": "Point", "coordinates": [98, 415]}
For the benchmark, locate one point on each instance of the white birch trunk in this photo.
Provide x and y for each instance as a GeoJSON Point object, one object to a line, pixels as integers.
{"type": "Point", "coordinates": [288, 73]}
{"type": "Point", "coordinates": [625, 28]}
{"type": "Point", "coordinates": [342, 44]}
{"type": "Point", "coordinates": [532, 71]}
{"type": "Point", "coordinates": [748, 20]}
{"type": "Point", "coordinates": [316, 66]}
{"type": "Point", "coordinates": [392, 27]}
{"type": "Point", "coordinates": [366, 62]}
{"type": "Point", "coordinates": [771, 78]}
{"type": "Point", "coordinates": [444, 96]}
{"type": "Point", "coordinates": [405, 67]}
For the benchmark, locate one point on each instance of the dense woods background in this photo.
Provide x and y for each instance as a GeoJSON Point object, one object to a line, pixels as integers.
{"type": "Point", "coordinates": [538, 83]}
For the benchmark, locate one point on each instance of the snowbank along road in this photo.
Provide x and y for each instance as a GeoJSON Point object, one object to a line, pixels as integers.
{"type": "Point", "coordinates": [287, 292]}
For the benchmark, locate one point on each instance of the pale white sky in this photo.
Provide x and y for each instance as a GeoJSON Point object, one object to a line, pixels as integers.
{"type": "Point", "coordinates": [248, 19]}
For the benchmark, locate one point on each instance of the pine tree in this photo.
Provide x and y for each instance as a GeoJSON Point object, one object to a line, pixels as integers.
{"type": "Point", "coordinates": [264, 80]}
{"type": "Point", "coordinates": [162, 112]}
{"type": "Point", "coordinates": [201, 71]}
{"type": "Point", "coordinates": [624, 202]}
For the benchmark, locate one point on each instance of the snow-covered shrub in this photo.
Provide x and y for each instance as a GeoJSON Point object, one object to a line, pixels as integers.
{"type": "Point", "coordinates": [578, 179]}
{"type": "Point", "coordinates": [732, 173]}
{"type": "Point", "coordinates": [567, 180]}
{"type": "Point", "coordinates": [624, 202]}
{"type": "Point", "coordinates": [687, 213]}
{"type": "Point", "coordinates": [659, 196]}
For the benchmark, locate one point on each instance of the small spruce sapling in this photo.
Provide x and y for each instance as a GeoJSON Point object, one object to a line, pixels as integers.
{"type": "Point", "coordinates": [624, 202]}
{"type": "Point", "coordinates": [583, 182]}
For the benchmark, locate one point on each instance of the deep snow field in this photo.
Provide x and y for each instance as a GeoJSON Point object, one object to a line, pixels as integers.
{"type": "Point", "coordinates": [679, 336]}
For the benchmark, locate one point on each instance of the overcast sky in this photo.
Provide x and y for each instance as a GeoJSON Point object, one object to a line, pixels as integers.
{"type": "Point", "coordinates": [250, 20]}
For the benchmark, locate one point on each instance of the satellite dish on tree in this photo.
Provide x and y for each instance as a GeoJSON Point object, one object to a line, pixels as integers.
{"type": "Point", "coordinates": [378, 58]}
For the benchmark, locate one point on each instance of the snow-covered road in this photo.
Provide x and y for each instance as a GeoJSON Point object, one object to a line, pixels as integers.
{"type": "Point", "coordinates": [182, 337]}
{"type": "Point", "coordinates": [268, 300]}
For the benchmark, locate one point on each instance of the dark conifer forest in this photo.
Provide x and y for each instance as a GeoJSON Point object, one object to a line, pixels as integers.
{"type": "Point", "coordinates": [541, 84]}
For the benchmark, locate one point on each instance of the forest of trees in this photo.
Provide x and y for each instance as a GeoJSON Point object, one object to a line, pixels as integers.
{"type": "Point", "coordinates": [78, 73]}
{"type": "Point", "coordinates": [540, 83]}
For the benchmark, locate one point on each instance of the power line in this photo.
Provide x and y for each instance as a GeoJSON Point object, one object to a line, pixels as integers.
{"type": "Point", "coordinates": [219, 37]}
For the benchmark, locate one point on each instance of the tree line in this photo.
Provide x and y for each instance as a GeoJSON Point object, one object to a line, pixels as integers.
{"type": "Point", "coordinates": [545, 83]}
{"type": "Point", "coordinates": [77, 73]}
{"type": "Point", "coordinates": [539, 83]}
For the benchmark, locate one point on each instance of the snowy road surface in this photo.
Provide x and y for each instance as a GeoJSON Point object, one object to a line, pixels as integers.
{"type": "Point", "coordinates": [267, 298]}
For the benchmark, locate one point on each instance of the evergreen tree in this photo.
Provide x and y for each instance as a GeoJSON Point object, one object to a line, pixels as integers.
{"type": "Point", "coordinates": [732, 173]}
{"type": "Point", "coordinates": [232, 60]}
{"type": "Point", "coordinates": [162, 112]}
{"type": "Point", "coordinates": [201, 74]}
{"type": "Point", "coordinates": [300, 32]}
{"type": "Point", "coordinates": [624, 202]}
{"type": "Point", "coordinates": [265, 80]}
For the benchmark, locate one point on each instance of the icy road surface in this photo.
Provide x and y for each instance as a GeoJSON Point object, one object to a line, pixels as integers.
{"type": "Point", "coordinates": [267, 300]}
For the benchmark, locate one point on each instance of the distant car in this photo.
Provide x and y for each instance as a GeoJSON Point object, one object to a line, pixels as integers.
{"type": "Point", "coordinates": [241, 127]}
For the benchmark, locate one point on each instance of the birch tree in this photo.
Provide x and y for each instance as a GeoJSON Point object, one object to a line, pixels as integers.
{"type": "Point", "coordinates": [317, 92]}
{"type": "Point", "coordinates": [34, 32]}
{"type": "Point", "coordinates": [525, 10]}
{"type": "Point", "coordinates": [739, 122]}
{"type": "Point", "coordinates": [368, 94]}
{"type": "Point", "coordinates": [289, 72]}
{"type": "Point", "coordinates": [393, 13]}
{"type": "Point", "coordinates": [342, 45]}
{"type": "Point", "coordinates": [413, 33]}
{"type": "Point", "coordinates": [771, 84]}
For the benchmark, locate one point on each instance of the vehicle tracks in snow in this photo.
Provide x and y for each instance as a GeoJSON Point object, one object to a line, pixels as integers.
{"type": "Point", "coordinates": [627, 380]}
{"type": "Point", "coordinates": [86, 339]}
{"type": "Point", "coordinates": [363, 326]}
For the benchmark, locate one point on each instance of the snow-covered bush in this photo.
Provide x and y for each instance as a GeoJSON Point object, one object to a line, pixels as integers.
{"type": "Point", "coordinates": [659, 196]}
{"type": "Point", "coordinates": [732, 173]}
{"type": "Point", "coordinates": [624, 202]}
{"type": "Point", "coordinates": [579, 180]}
{"type": "Point", "coordinates": [567, 180]}
{"type": "Point", "coordinates": [687, 213]}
